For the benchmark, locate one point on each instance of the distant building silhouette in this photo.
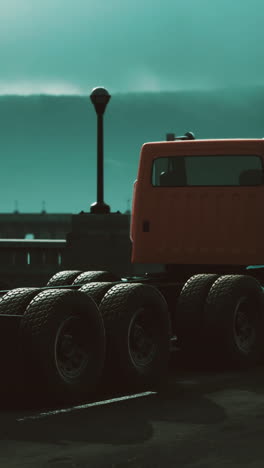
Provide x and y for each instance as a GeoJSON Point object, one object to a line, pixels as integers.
{"type": "Point", "coordinates": [34, 225]}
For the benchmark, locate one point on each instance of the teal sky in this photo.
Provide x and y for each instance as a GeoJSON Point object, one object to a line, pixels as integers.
{"type": "Point", "coordinates": [70, 46]}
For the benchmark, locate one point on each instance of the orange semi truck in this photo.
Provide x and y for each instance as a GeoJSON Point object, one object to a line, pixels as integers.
{"type": "Point", "coordinates": [197, 210]}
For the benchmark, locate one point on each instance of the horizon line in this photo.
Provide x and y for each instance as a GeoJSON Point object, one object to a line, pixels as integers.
{"type": "Point", "coordinates": [129, 92]}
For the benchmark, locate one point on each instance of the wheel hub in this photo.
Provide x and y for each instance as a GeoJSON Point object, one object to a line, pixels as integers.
{"type": "Point", "coordinates": [71, 357]}
{"type": "Point", "coordinates": [141, 343]}
{"type": "Point", "coordinates": [244, 326]}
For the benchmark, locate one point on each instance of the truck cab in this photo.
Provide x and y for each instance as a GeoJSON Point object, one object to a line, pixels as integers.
{"type": "Point", "coordinates": [199, 202]}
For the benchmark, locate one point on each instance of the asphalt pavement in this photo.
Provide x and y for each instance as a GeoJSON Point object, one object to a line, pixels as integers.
{"type": "Point", "coordinates": [200, 419]}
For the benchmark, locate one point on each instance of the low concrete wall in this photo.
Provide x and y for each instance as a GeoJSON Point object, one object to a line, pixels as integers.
{"type": "Point", "coordinates": [29, 262]}
{"type": "Point", "coordinates": [96, 242]}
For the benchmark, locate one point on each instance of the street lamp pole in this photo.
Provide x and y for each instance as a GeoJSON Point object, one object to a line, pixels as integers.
{"type": "Point", "coordinates": [100, 98]}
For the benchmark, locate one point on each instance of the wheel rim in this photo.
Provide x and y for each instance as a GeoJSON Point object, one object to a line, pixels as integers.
{"type": "Point", "coordinates": [71, 354]}
{"type": "Point", "coordinates": [141, 338]}
{"type": "Point", "coordinates": [244, 326]}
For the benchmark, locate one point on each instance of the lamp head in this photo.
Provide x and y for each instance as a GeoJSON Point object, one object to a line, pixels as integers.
{"type": "Point", "coordinates": [100, 98]}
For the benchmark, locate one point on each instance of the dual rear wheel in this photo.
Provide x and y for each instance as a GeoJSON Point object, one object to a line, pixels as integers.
{"type": "Point", "coordinates": [78, 277]}
{"type": "Point", "coordinates": [71, 338]}
{"type": "Point", "coordinates": [219, 320]}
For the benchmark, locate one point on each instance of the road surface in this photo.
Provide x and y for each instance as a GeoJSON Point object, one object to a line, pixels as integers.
{"type": "Point", "coordinates": [199, 420]}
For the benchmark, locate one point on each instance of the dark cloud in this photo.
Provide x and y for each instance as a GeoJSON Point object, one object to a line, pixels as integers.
{"type": "Point", "coordinates": [125, 45]}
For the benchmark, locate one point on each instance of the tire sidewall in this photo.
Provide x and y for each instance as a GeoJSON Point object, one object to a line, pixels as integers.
{"type": "Point", "coordinates": [189, 313]}
{"type": "Point", "coordinates": [220, 308]}
{"type": "Point", "coordinates": [60, 307]}
{"type": "Point", "coordinates": [147, 298]}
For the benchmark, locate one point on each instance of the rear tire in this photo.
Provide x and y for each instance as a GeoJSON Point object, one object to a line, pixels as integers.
{"type": "Point", "coordinates": [63, 278]}
{"type": "Point", "coordinates": [15, 301]}
{"type": "Point", "coordinates": [96, 290]}
{"type": "Point", "coordinates": [88, 276]}
{"type": "Point", "coordinates": [188, 319]}
{"type": "Point", "coordinates": [234, 321]}
{"type": "Point", "coordinates": [64, 339]}
{"type": "Point", "coordinates": [137, 328]}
